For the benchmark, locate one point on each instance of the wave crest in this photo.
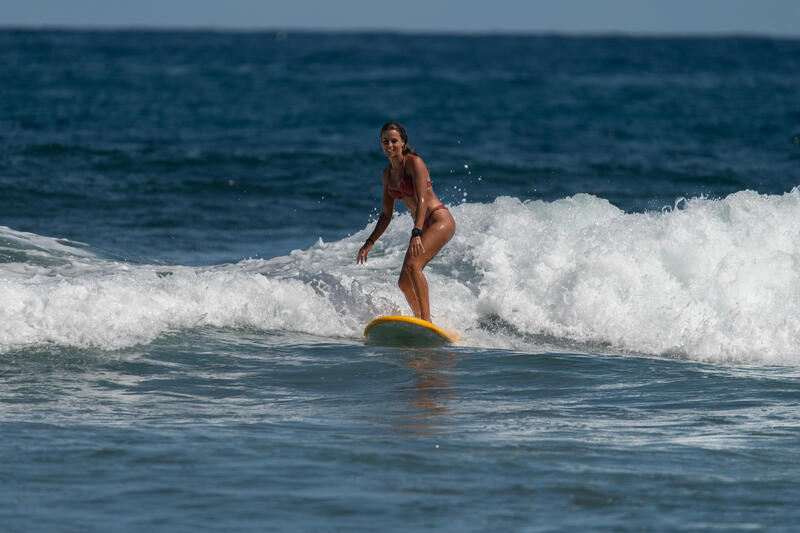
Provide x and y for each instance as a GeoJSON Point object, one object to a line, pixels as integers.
{"type": "Point", "coordinates": [713, 280]}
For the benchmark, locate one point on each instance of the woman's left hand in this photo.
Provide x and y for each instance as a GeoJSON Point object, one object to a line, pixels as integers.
{"type": "Point", "coordinates": [416, 246]}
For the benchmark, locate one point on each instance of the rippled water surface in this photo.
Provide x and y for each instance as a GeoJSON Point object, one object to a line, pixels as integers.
{"type": "Point", "coordinates": [181, 314]}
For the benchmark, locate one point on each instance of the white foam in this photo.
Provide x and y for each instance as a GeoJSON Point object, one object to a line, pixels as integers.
{"type": "Point", "coordinates": [716, 280]}
{"type": "Point", "coordinates": [713, 280]}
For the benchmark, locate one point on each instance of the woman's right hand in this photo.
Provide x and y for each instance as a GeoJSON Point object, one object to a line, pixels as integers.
{"type": "Point", "coordinates": [362, 253]}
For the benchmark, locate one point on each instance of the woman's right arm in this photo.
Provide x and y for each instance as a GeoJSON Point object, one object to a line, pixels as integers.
{"type": "Point", "coordinates": [387, 207]}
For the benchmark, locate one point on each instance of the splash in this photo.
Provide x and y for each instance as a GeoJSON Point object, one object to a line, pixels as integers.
{"type": "Point", "coordinates": [711, 280]}
{"type": "Point", "coordinates": [714, 280]}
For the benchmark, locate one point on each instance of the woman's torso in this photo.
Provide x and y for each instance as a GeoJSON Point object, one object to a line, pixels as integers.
{"type": "Point", "coordinates": [401, 187]}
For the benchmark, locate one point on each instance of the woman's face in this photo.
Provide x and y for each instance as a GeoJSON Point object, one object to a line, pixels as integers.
{"type": "Point", "coordinates": [392, 143]}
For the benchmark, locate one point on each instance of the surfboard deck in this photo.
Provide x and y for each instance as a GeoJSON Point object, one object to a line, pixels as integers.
{"type": "Point", "coordinates": [397, 330]}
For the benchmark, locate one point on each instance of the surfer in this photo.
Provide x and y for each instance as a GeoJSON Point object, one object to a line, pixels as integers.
{"type": "Point", "coordinates": [406, 178]}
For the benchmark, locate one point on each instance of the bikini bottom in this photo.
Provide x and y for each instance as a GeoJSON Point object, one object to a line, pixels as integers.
{"type": "Point", "coordinates": [428, 219]}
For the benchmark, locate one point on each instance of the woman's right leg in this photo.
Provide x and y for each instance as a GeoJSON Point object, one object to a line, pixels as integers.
{"type": "Point", "coordinates": [412, 281]}
{"type": "Point", "coordinates": [407, 287]}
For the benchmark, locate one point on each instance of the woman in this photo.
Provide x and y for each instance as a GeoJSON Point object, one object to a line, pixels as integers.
{"type": "Point", "coordinates": [406, 178]}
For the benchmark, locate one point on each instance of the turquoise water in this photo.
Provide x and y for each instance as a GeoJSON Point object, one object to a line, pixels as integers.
{"type": "Point", "coordinates": [181, 313]}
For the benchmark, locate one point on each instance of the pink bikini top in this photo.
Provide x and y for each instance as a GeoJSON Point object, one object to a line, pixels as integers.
{"type": "Point", "coordinates": [406, 187]}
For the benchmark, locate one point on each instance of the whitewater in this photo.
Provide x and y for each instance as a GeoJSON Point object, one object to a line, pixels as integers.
{"type": "Point", "coordinates": [712, 280]}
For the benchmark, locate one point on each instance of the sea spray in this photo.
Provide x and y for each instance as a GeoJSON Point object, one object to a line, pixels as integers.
{"type": "Point", "coordinates": [712, 280]}
{"type": "Point", "coordinates": [716, 280]}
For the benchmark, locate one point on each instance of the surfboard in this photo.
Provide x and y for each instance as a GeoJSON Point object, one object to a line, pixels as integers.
{"type": "Point", "coordinates": [396, 330]}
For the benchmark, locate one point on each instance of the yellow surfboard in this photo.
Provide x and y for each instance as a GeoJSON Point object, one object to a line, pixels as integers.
{"type": "Point", "coordinates": [396, 330]}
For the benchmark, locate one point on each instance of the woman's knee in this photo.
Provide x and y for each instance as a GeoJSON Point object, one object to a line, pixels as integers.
{"type": "Point", "coordinates": [411, 267]}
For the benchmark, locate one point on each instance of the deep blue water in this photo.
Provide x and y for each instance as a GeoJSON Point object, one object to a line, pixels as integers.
{"type": "Point", "coordinates": [181, 315]}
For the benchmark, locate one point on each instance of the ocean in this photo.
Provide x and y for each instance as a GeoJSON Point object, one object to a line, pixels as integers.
{"type": "Point", "coordinates": [181, 313]}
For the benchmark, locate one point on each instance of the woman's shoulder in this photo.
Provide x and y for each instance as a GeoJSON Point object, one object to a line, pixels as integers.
{"type": "Point", "coordinates": [414, 162]}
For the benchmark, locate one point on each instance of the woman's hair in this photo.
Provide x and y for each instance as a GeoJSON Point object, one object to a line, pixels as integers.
{"type": "Point", "coordinates": [396, 126]}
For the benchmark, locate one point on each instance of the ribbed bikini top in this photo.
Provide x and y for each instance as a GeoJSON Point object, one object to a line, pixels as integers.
{"type": "Point", "coordinates": [406, 188]}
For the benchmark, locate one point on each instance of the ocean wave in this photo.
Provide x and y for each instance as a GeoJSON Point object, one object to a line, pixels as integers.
{"type": "Point", "coordinates": [711, 280]}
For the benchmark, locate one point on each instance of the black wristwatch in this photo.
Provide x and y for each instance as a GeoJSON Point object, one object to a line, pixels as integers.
{"type": "Point", "coordinates": [416, 232]}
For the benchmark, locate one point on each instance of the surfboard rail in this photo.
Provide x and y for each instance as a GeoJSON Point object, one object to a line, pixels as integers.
{"type": "Point", "coordinates": [400, 330]}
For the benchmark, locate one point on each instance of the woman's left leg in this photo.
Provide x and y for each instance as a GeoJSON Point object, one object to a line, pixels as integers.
{"type": "Point", "coordinates": [412, 282]}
